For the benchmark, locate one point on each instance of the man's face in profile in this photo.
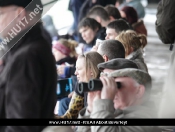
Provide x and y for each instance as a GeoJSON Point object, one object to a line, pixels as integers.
{"type": "Point", "coordinates": [110, 34]}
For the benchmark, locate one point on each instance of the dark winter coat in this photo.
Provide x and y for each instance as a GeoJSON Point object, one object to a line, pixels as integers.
{"type": "Point", "coordinates": [165, 24]}
{"type": "Point", "coordinates": [28, 81]}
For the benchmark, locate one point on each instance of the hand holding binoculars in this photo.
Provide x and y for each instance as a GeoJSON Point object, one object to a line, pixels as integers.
{"type": "Point", "coordinates": [93, 85]}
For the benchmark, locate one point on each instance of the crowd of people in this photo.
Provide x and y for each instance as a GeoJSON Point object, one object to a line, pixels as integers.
{"type": "Point", "coordinates": [111, 36]}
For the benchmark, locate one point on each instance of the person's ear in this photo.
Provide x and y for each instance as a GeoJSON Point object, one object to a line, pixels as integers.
{"type": "Point", "coordinates": [140, 91]}
{"type": "Point", "coordinates": [20, 13]}
{"type": "Point", "coordinates": [105, 58]}
{"type": "Point", "coordinates": [96, 30]}
{"type": "Point", "coordinates": [112, 18]}
{"type": "Point", "coordinates": [98, 19]}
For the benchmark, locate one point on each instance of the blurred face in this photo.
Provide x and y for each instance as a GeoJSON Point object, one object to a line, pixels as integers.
{"type": "Point", "coordinates": [126, 95]}
{"type": "Point", "coordinates": [87, 34]}
{"type": "Point", "coordinates": [57, 54]}
{"type": "Point", "coordinates": [110, 34]}
{"type": "Point", "coordinates": [7, 21]}
{"type": "Point", "coordinates": [80, 72]}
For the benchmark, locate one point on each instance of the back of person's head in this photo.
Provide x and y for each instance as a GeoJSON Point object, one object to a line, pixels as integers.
{"type": "Point", "coordinates": [89, 22]}
{"type": "Point", "coordinates": [67, 47]}
{"type": "Point", "coordinates": [130, 39]}
{"type": "Point", "coordinates": [92, 59]}
{"type": "Point", "coordinates": [113, 11]}
{"type": "Point", "coordinates": [98, 11]}
{"type": "Point", "coordinates": [119, 25]}
{"type": "Point", "coordinates": [112, 49]}
{"type": "Point", "coordinates": [130, 14]}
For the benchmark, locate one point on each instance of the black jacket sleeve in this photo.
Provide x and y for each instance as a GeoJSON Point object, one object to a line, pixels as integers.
{"type": "Point", "coordinates": [165, 23]}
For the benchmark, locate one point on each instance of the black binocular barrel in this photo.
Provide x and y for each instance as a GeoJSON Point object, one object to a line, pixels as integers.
{"type": "Point", "coordinates": [93, 85]}
{"type": "Point", "coordinates": [83, 87]}
{"type": "Point", "coordinates": [96, 84]}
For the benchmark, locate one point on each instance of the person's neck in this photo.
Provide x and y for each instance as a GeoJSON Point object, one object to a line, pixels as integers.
{"type": "Point", "coordinates": [105, 23]}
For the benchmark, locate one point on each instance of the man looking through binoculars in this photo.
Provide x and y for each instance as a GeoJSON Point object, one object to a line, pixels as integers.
{"type": "Point", "coordinates": [132, 100]}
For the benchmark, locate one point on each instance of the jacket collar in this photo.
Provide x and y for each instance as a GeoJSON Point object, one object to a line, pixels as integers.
{"type": "Point", "coordinates": [135, 55]}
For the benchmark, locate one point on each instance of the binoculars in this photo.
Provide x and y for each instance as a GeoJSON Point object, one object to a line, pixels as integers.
{"type": "Point", "coordinates": [93, 85]}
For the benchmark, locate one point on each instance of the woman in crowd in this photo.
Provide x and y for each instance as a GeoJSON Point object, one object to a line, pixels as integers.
{"type": "Point", "coordinates": [65, 56]}
{"type": "Point", "coordinates": [90, 31]}
{"type": "Point", "coordinates": [134, 44]}
{"type": "Point", "coordinates": [86, 69]}
{"type": "Point", "coordinates": [130, 14]}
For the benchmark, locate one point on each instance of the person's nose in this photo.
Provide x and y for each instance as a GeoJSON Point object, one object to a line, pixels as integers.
{"type": "Point", "coordinates": [106, 38]}
{"type": "Point", "coordinates": [76, 73]}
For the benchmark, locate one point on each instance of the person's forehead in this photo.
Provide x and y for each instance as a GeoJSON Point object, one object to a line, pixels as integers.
{"type": "Point", "coordinates": [80, 62]}
{"type": "Point", "coordinates": [125, 79]}
{"type": "Point", "coordinates": [110, 30]}
{"type": "Point", "coordinates": [83, 28]}
{"type": "Point", "coordinates": [3, 8]}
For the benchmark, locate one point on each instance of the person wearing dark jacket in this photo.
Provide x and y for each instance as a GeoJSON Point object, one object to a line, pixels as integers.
{"type": "Point", "coordinates": [28, 73]}
{"type": "Point", "coordinates": [90, 31]}
{"type": "Point", "coordinates": [88, 4]}
{"type": "Point", "coordinates": [165, 28]}
{"type": "Point", "coordinates": [75, 6]}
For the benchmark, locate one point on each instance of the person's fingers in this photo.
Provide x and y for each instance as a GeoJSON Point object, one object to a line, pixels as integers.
{"type": "Point", "coordinates": [103, 80]}
{"type": "Point", "coordinates": [108, 81]}
{"type": "Point", "coordinates": [112, 82]}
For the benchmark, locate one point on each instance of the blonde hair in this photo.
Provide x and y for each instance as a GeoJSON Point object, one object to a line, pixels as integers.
{"type": "Point", "coordinates": [92, 59]}
{"type": "Point", "coordinates": [130, 39]}
{"type": "Point", "coordinates": [71, 44]}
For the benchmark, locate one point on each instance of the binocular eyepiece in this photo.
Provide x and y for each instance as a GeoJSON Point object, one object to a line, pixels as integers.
{"type": "Point", "coordinates": [93, 85]}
